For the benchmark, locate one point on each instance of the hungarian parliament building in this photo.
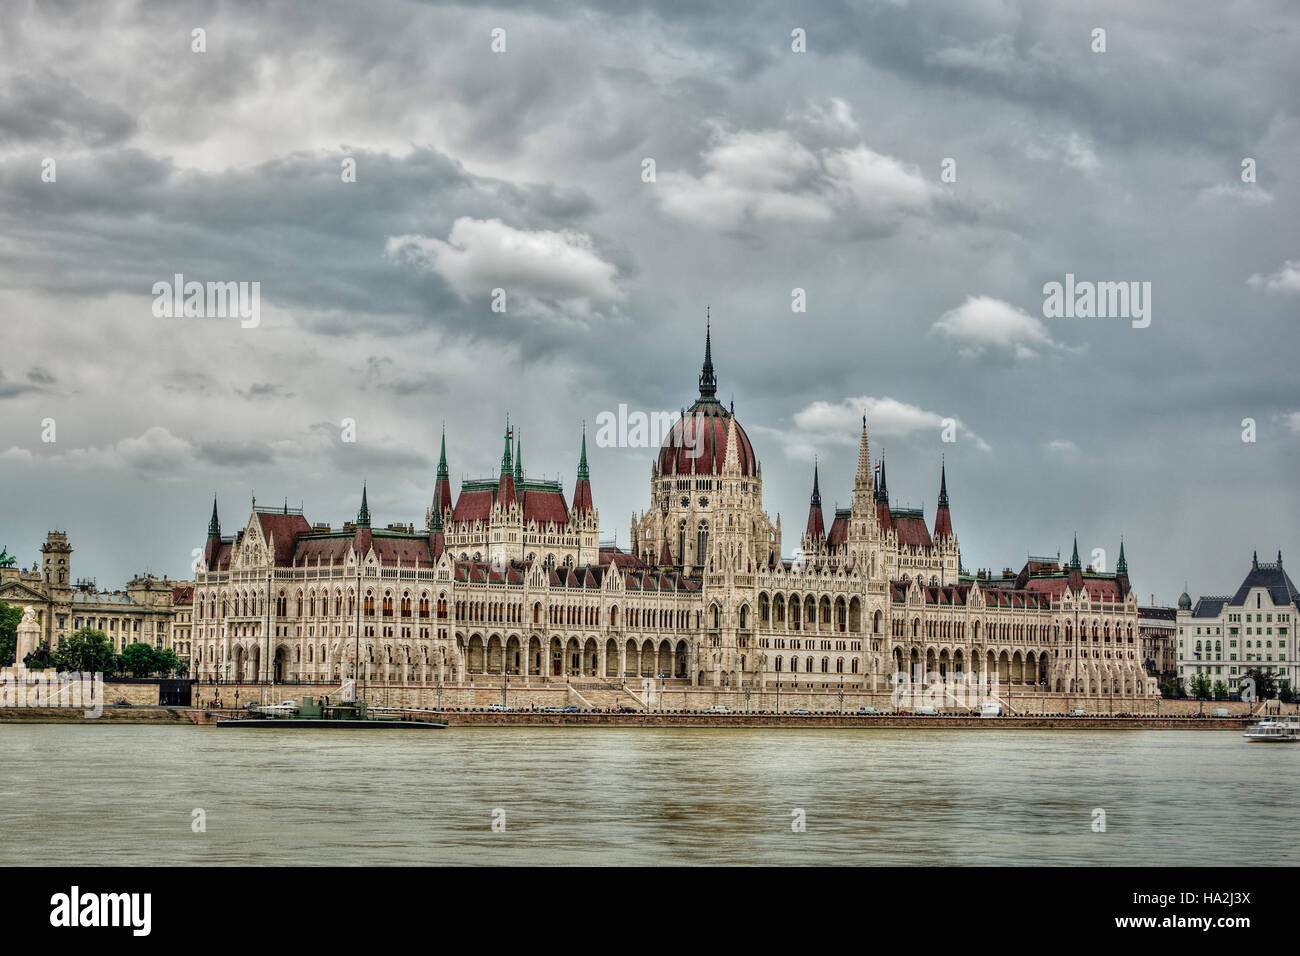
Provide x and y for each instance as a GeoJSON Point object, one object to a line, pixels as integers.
{"type": "Point", "coordinates": [509, 582]}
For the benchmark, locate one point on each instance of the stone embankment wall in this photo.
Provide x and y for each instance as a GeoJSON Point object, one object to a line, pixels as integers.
{"type": "Point", "coordinates": [611, 696]}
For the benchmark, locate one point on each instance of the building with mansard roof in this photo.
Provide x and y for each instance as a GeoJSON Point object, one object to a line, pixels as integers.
{"type": "Point", "coordinates": [1222, 637]}
{"type": "Point", "coordinates": [508, 578]}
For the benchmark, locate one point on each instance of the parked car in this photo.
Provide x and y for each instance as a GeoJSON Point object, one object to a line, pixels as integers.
{"type": "Point", "coordinates": [800, 712]}
{"type": "Point", "coordinates": [869, 711]}
{"type": "Point", "coordinates": [991, 709]}
{"type": "Point", "coordinates": [717, 709]}
{"type": "Point", "coordinates": [1077, 712]}
{"type": "Point", "coordinates": [499, 707]}
{"type": "Point", "coordinates": [1222, 712]}
{"type": "Point", "coordinates": [571, 709]}
{"type": "Point", "coordinates": [925, 710]}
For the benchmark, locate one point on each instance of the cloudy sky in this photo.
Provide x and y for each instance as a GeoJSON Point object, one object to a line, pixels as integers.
{"type": "Point", "coordinates": [773, 170]}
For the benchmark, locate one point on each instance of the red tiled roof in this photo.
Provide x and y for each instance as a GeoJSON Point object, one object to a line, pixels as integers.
{"type": "Point", "coordinates": [285, 529]}
{"type": "Point", "coordinates": [839, 531]}
{"type": "Point", "coordinates": [619, 558]}
{"type": "Point", "coordinates": [1098, 588]}
{"type": "Point", "coordinates": [912, 530]}
{"type": "Point", "coordinates": [547, 506]}
{"type": "Point", "coordinates": [312, 548]}
{"type": "Point", "coordinates": [183, 594]}
{"type": "Point", "coordinates": [473, 506]}
{"type": "Point", "coordinates": [406, 550]}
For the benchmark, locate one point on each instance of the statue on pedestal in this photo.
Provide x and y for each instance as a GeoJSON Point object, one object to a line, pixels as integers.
{"type": "Point", "coordinates": [29, 636]}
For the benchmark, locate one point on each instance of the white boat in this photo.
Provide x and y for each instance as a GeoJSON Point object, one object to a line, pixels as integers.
{"type": "Point", "coordinates": [1274, 730]}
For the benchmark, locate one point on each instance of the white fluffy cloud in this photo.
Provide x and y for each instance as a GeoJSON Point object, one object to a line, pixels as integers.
{"type": "Point", "coordinates": [983, 325]}
{"type": "Point", "coordinates": [770, 177]}
{"type": "Point", "coordinates": [542, 272]}
{"type": "Point", "coordinates": [823, 425]}
{"type": "Point", "coordinates": [1285, 279]}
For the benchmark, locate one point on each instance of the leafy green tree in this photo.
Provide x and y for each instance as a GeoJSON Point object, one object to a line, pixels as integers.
{"type": "Point", "coordinates": [85, 650]}
{"type": "Point", "coordinates": [9, 618]}
{"type": "Point", "coordinates": [138, 660]}
{"type": "Point", "coordinates": [1200, 687]}
{"type": "Point", "coordinates": [1220, 690]}
{"type": "Point", "coordinates": [1285, 693]}
{"type": "Point", "coordinates": [167, 663]}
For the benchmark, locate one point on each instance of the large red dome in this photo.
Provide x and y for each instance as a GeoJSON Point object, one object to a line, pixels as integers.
{"type": "Point", "coordinates": [698, 443]}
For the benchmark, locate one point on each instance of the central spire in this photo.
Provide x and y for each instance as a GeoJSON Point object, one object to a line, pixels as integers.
{"type": "Point", "coordinates": [708, 384]}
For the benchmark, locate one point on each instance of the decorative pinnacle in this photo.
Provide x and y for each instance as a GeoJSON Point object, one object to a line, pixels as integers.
{"type": "Point", "coordinates": [1122, 566]}
{"type": "Point", "coordinates": [943, 485]}
{"type": "Point", "coordinates": [442, 457]}
{"type": "Point", "coordinates": [214, 525]}
{"type": "Point", "coordinates": [816, 500]}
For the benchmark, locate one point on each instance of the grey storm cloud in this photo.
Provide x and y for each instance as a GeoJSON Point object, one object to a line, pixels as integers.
{"type": "Point", "coordinates": [776, 171]}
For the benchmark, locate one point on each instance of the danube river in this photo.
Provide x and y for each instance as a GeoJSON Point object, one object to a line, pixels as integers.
{"type": "Point", "coordinates": [128, 794]}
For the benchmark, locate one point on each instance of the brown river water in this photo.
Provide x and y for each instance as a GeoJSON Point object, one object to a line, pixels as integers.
{"type": "Point", "coordinates": [127, 794]}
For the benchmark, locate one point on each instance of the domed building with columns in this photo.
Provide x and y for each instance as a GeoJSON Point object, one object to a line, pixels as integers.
{"type": "Point", "coordinates": [508, 581]}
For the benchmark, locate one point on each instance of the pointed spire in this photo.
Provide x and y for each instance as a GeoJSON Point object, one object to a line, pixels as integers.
{"type": "Point", "coordinates": [519, 460]}
{"type": "Point", "coordinates": [214, 524]}
{"type": "Point", "coordinates": [816, 530]}
{"type": "Point", "coordinates": [1074, 559]}
{"type": "Point", "coordinates": [863, 479]}
{"type": "Point", "coordinates": [582, 489]}
{"type": "Point", "coordinates": [506, 467]}
{"type": "Point", "coordinates": [441, 488]}
{"type": "Point", "coordinates": [708, 383]}
{"type": "Point", "coordinates": [1122, 566]}
{"type": "Point", "coordinates": [942, 517]}
{"type": "Point", "coordinates": [363, 516]}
